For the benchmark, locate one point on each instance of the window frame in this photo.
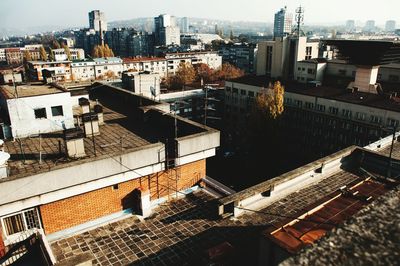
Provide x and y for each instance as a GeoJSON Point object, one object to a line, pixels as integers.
{"type": "Point", "coordinates": [37, 110]}
{"type": "Point", "coordinates": [3, 225]}
{"type": "Point", "coordinates": [56, 106]}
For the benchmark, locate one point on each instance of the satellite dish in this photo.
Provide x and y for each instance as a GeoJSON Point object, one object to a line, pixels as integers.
{"type": "Point", "coordinates": [4, 156]}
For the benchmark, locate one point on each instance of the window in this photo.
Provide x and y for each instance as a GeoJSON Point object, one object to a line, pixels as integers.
{"type": "Point", "coordinates": [376, 119]}
{"type": "Point", "coordinates": [251, 94]}
{"type": "Point", "coordinates": [342, 72]}
{"type": "Point", "coordinates": [392, 122]}
{"type": "Point", "coordinates": [57, 110]}
{"type": "Point", "coordinates": [346, 113]}
{"type": "Point", "coordinates": [40, 113]}
{"type": "Point", "coordinates": [321, 107]}
{"type": "Point", "coordinates": [360, 116]}
{"type": "Point", "coordinates": [21, 222]}
{"type": "Point", "coordinates": [333, 110]}
{"type": "Point", "coordinates": [235, 90]}
{"type": "Point", "coordinates": [115, 187]}
{"type": "Point", "coordinates": [309, 105]}
{"type": "Point", "coordinates": [310, 71]}
{"type": "Point", "coordinates": [242, 92]}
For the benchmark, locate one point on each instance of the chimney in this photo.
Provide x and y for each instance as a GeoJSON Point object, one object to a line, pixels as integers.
{"type": "Point", "coordinates": [366, 77]}
{"type": "Point", "coordinates": [84, 104]}
{"type": "Point", "coordinates": [91, 124]}
{"type": "Point", "coordinates": [4, 156]}
{"type": "Point", "coordinates": [73, 138]}
{"type": "Point", "coordinates": [98, 109]}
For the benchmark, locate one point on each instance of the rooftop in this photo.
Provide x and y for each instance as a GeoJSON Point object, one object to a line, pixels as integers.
{"type": "Point", "coordinates": [187, 231]}
{"type": "Point", "coordinates": [107, 59]}
{"type": "Point", "coordinates": [329, 92]}
{"type": "Point", "coordinates": [124, 131]}
{"type": "Point", "coordinates": [141, 59]}
{"type": "Point", "coordinates": [9, 92]}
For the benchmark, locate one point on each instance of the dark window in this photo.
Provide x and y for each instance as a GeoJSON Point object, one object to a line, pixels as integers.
{"type": "Point", "coordinates": [242, 92]}
{"type": "Point", "coordinates": [40, 113]}
{"type": "Point", "coordinates": [310, 71]}
{"type": "Point", "coordinates": [57, 110]}
{"type": "Point", "coordinates": [251, 93]}
{"type": "Point", "coordinates": [115, 187]}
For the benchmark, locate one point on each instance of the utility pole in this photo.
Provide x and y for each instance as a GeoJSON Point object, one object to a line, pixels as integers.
{"type": "Point", "coordinates": [390, 153]}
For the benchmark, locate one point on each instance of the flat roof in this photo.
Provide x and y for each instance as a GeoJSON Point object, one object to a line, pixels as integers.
{"type": "Point", "coordinates": [142, 59]}
{"type": "Point", "coordinates": [122, 122]}
{"type": "Point", "coordinates": [9, 92]}
{"type": "Point", "coordinates": [328, 92]}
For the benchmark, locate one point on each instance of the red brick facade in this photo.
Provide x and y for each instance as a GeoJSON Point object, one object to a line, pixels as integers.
{"type": "Point", "coordinates": [82, 208]}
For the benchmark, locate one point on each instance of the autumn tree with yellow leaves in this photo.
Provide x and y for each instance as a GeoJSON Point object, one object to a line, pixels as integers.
{"type": "Point", "coordinates": [270, 101]}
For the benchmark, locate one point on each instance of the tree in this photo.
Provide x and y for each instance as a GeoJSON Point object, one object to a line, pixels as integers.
{"type": "Point", "coordinates": [67, 52]}
{"type": "Point", "coordinates": [27, 56]}
{"type": "Point", "coordinates": [51, 55]}
{"type": "Point", "coordinates": [228, 71]}
{"type": "Point", "coordinates": [55, 44]}
{"type": "Point", "coordinates": [185, 74]}
{"type": "Point", "coordinates": [102, 51]}
{"type": "Point", "coordinates": [231, 36]}
{"type": "Point", "coordinates": [204, 72]}
{"type": "Point", "coordinates": [43, 54]}
{"type": "Point", "coordinates": [270, 101]}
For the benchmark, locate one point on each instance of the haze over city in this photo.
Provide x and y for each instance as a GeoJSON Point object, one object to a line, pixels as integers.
{"type": "Point", "coordinates": [182, 132]}
{"type": "Point", "coordinates": [317, 12]}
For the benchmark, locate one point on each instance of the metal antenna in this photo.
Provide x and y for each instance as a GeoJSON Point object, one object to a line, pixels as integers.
{"type": "Point", "coordinates": [299, 19]}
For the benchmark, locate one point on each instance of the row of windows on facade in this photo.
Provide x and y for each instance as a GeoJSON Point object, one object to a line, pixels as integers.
{"type": "Point", "coordinates": [343, 72]}
{"type": "Point", "coordinates": [242, 92]}
{"type": "Point", "coordinates": [41, 113]}
{"type": "Point", "coordinates": [345, 112]}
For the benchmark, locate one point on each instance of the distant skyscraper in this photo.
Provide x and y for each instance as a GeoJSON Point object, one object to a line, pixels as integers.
{"type": "Point", "coordinates": [350, 25]}
{"type": "Point", "coordinates": [97, 20]}
{"type": "Point", "coordinates": [166, 31]}
{"type": "Point", "coordinates": [370, 26]}
{"type": "Point", "coordinates": [390, 25]}
{"type": "Point", "coordinates": [282, 23]}
{"type": "Point", "coordinates": [185, 25]}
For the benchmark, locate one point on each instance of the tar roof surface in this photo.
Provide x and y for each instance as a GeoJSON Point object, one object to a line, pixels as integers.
{"type": "Point", "coordinates": [26, 161]}
{"type": "Point", "coordinates": [9, 91]}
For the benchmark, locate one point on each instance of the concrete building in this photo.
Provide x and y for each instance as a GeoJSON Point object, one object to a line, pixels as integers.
{"type": "Point", "coordinates": [370, 26]}
{"type": "Point", "coordinates": [166, 30]}
{"type": "Point", "coordinates": [283, 23]}
{"type": "Point", "coordinates": [210, 58]}
{"type": "Point", "coordinates": [97, 20]}
{"type": "Point", "coordinates": [3, 57]}
{"type": "Point", "coordinates": [241, 55]}
{"type": "Point", "coordinates": [10, 75]}
{"type": "Point", "coordinates": [390, 26]}
{"type": "Point", "coordinates": [311, 70]}
{"type": "Point", "coordinates": [156, 65]}
{"type": "Point", "coordinates": [60, 54]}
{"type": "Point", "coordinates": [58, 70]}
{"type": "Point", "coordinates": [185, 25]}
{"type": "Point", "coordinates": [128, 42]}
{"type": "Point", "coordinates": [35, 109]}
{"type": "Point", "coordinates": [279, 58]}
{"type": "Point", "coordinates": [14, 56]}
{"type": "Point", "coordinates": [142, 83]}
{"type": "Point", "coordinates": [89, 181]}
{"type": "Point", "coordinates": [82, 70]}
{"type": "Point", "coordinates": [350, 25]}
{"type": "Point", "coordinates": [108, 67]}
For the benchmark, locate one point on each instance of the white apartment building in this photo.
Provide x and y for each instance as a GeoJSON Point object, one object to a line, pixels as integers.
{"type": "Point", "coordinates": [83, 70]}
{"type": "Point", "coordinates": [156, 65]}
{"type": "Point", "coordinates": [3, 55]}
{"type": "Point", "coordinates": [212, 59]}
{"type": "Point", "coordinates": [61, 55]}
{"type": "Point", "coordinates": [142, 83]}
{"type": "Point", "coordinates": [107, 65]}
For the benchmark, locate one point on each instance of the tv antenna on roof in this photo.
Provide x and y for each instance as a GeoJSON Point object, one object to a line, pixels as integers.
{"type": "Point", "coordinates": [299, 20]}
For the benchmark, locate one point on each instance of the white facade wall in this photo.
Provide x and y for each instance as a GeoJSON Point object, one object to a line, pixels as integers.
{"type": "Point", "coordinates": [76, 54]}
{"type": "Point", "coordinates": [83, 71]}
{"type": "Point", "coordinates": [22, 114]}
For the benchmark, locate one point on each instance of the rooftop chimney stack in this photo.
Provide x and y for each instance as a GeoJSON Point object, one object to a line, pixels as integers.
{"type": "Point", "coordinates": [74, 142]}
{"type": "Point", "coordinates": [365, 79]}
{"type": "Point", "coordinates": [98, 109]}
{"type": "Point", "coordinates": [85, 105]}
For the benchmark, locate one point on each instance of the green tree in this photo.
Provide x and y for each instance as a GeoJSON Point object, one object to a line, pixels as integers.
{"type": "Point", "coordinates": [67, 52]}
{"type": "Point", "coordinates": [43, 53]}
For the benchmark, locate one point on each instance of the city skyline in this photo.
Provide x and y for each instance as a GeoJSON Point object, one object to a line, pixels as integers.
{"type": "Point", "coordinates": [124, 10]}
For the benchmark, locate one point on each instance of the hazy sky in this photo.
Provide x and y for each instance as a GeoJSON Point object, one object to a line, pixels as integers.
{"type": "Point", "coordinates": [26, 13]}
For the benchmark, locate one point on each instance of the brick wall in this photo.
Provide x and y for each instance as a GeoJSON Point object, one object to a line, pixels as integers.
{"type": "Point", "coordinates": [82, 208]}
